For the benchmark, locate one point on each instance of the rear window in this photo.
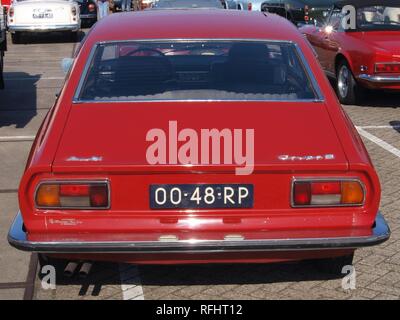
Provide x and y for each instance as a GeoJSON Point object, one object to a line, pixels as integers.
{"type": "Point", "coordinates": [196, 70]}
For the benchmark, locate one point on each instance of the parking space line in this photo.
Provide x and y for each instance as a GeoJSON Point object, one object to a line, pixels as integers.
{"type": "Point", "coordinates": [30, 79]}
{"type": "Point", "coordinates": [16, 138]}
{"type": "Point", "coordinates": [396, 126]}
{"type": "Point", "coordinates": [383, 144]}
{"type": "Point", "coordinates": [130, 282]}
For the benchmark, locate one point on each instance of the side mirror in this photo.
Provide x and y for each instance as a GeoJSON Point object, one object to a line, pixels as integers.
{"type": "Point", "coordinates": [66, 64]}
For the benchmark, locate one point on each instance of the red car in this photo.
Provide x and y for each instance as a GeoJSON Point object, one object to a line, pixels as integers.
{"type": "Point", "coordinates": [206, 143]}
{"type": "Point", "coordinates": [362, 54]}
{"type": "Point", "coordinates": [6, 4]}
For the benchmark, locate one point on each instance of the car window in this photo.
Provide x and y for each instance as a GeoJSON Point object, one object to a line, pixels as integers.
{"type": "Point", "coordinates": [335, 20]}
{"type": "Point", "coordinates": [378, 18]}
{"type": "Point", "coordinates": [196, 70]}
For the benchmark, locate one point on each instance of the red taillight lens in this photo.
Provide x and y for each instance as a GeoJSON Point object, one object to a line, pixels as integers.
{"type": "Point", "coordinates": [302, 193]}
{"type": "Point", "coordinates": [75, 195]}
{"type": "Point", "coordinates": [387, 67]}
{"type": "Point", "coordinates": [318, 188]}
{"type": "Point", "coordinates": [328, 193]}
{"type": "Point", "coordinates": [98, 196]}
{"type": "Point", "coordinates": [249, 6]}
{"type": "Point", "coordinates": [11, 12]}
{"type": "Point", "coordinates": [91, 7]}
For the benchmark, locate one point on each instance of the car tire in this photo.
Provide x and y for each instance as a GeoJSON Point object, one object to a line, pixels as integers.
{"type": "Point", "coordinates": [347, 88]}
{"type": "Point", "coordinates": [335, 265]}
{"type": "Point", "coordinates": [15, 38]}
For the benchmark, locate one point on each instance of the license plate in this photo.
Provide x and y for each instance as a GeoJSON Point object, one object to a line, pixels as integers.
{"type": "Point", "coordinates": [42, 14]}
{"type": "Point", "coordinates": [195, 196]}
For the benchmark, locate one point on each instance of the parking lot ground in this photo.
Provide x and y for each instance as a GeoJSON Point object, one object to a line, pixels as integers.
{"type": "Point", "coordinates": [33, 77]}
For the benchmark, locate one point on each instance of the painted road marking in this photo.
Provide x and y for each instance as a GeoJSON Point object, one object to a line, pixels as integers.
{"type": "Point", "coordinates": [396, 126]}
{"type": "Point", "coordinates": [130, 282]}
{"type": "Point", "coordinates": [30, 79]}
{"type": "Point", "coordinates": [16, 138]}
{"type": "Point", "coordinates": [379, 142]}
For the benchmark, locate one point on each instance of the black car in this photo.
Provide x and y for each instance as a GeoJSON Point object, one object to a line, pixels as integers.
{"type": "Point", "coordinates": [188, 4]}
{"type": "Point", "coordinates": [88, 10]}
{"type": "Point", "coordinates": [3, 43]}
{"type": "Point", "coordinates": [299, 11]}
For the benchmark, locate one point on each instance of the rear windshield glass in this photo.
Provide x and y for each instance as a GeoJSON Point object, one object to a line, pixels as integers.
{"type": "Point", "coordinates": [195, 70]}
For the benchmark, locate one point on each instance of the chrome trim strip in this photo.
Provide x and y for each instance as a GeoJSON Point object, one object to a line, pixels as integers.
{"type": "Point", "coordinates": [78, 181]}
{"type": "Point", "coordinates": [44, 28]}
{"type": "Point", "coordinates": [309, 73]}
{"type": "Point", "coordinates": [17, 237]}
{"type": "Point", "coordinates": [326, 179]}
{"type": "Point", "coordinates": [88, 16]}
{"type": "Point", "coordinates": [379, 79]}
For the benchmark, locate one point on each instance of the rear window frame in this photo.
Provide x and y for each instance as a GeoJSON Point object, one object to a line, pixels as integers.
{"type": "Point", "coordinates": [319, 97]}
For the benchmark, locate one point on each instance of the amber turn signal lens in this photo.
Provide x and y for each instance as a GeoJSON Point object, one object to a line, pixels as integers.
{"type": "Point", "coordinates": [352, 192]}
{"type": "Point", "coordinates": [48, 195]}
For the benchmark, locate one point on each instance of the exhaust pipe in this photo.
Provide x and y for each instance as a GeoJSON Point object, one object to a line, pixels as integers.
{"type": "Point", "coordinates": [85, 269]}
{"type": "Point", "coordinates": [70, 269]}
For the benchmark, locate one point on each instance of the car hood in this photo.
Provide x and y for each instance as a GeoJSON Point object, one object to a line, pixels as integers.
{"type": "Point", "coordinates": [287, 135]}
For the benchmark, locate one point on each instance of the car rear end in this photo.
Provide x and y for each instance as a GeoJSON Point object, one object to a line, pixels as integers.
{"type": "Point", "coordinates": [383, 70]}
{"type": "Point", "coordinates": [38, 16]}
{"type": "Point", "coordinates": [270, 180]}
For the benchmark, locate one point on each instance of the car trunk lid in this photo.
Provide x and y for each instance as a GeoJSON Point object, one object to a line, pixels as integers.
{"type": "Point", "coordinates": [112, 136]}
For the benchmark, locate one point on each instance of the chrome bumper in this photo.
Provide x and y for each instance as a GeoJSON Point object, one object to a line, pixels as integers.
{"type": "Point", "coordinates": [17, 237]}
{"type": "Point", "coordinates": [379, 79]}
{"type": "Point", "coordinates": [44, 28]}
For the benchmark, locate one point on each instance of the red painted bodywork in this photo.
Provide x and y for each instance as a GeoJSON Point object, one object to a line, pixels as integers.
{"type": "Point", "coordinates": [6, 4]}
{"type": "Point", "coordinates": [116, 132]}
{"type": "Point", "coordinates": [358, 49]}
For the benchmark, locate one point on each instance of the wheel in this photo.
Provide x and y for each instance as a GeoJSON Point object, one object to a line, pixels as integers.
{"type": "Point", "coordinates": [347, 88]}
{"type": "Point", "coordinates": [15, 37]}
{"type": "Point", "coordinates": [334, 265]}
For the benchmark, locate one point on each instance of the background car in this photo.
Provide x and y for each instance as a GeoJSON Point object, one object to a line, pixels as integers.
{"type": "Point", "coordinates": [365, 57]}
{"type": "Point", "coordinates": [185, 4]}
{"type": "Point", "coordinates": [88, 12]}
{"type": "Point", "coordinates": [43, 16]}
{"type": "Point", "coordinates": [91, 191]}
{"type": "Point", "coordinates": [6, 4]}
{"type": "Point", "coordinates": [3, 42]}
{"type": "Point", "coordinates": [297, 11]}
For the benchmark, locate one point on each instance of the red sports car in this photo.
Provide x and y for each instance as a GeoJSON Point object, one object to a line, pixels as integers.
{"type": "Point", "coordinates": [198, 144]}
{"type": "Point", "coordinates": [360, 48]}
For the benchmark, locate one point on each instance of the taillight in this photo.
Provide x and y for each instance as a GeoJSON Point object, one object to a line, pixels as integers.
{"type": "Point", "coordinates": [91, 7]}
{"type": "Point", "coordinates": [325, 193]}
{"type": "Point", "coordinates": [11, 12]}
{"type": "Point", "coordinates": [249, 6]}
{"type": "Point", "coordinates": [73, 195]}
{"type": "Point", "coordinates": [73, 11]}
{"type": "Point", "coordinates": [306, 17]}
{"type": "Point", "coordinates": [391, 67]}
